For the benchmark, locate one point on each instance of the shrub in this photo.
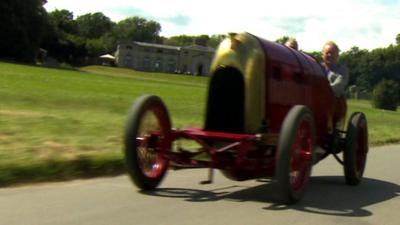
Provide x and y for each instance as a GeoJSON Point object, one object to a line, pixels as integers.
{"type": "Point", "coordinates": [386, 95]}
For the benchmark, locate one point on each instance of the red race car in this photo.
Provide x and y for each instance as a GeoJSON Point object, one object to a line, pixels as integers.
{"type": "Point", "coordinates": [270, 113]}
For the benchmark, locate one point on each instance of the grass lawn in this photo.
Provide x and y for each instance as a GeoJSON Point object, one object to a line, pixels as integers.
{"type": "Point", "coordinates": [383, 125]}
{"type": "Point", "coordinates": [60, 124]}
{"type": "Point", "coordinates": [52, 120]}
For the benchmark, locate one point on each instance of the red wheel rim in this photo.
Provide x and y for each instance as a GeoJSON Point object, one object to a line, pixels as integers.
{"type": "Point", "coordinates": [152, 142]}
{"type": "Point", "coordinates": [301, 160]}
{"type": "Point", "coordinates": [361, 149]}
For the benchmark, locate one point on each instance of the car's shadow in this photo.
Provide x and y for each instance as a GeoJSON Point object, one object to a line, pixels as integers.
{"type": "Point", "coordinates": [325, 195]}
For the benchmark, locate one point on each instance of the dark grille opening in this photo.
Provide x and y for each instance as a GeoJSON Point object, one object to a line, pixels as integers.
{"type": "Point", "coordinates": [225, 106]}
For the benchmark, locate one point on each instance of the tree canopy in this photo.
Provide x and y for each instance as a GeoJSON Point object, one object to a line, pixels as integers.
{"type": "Point", "coordinates": [94, 25]}
{"type": "Point", "coordinates": [138, 29]}
{"type": "Point", "coordinates": [61, 39]}
{"type": "Point", "coordinates": [368, 68]}
{"type": "Point", "coordinates": [282, 40]}
{"type": "Point", "coordinates": [203, 40]}
{"type": "Point", "coordinates": [21, 26]}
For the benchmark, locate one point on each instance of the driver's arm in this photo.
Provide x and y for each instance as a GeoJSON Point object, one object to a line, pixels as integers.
{"type": "Point", "coordinates": [339, 81]}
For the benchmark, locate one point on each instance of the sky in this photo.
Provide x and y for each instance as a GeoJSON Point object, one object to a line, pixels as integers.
{"type": "Point", "coordinates": [368, 24]}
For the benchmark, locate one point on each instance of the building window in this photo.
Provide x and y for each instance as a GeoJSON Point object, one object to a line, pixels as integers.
{"type": "Point", "coordinates": [128, 61]}
{"type": "Point", "coordinates": [171, 67]}
{"type": "Point", "coordinates": [146, 63]}
{"type": "Point", "coordinates": [200, 69]}
{"type": "Point", "coordinates": [184, 69]}
{"type": "Point", "coordinates": [158, 65]}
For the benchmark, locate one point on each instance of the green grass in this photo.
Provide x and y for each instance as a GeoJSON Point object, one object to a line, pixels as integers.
{"type": "Point", "coordinates": [55, 122]}
{"type": "Point", "coordinates": [61, 124]}
{"type": "Point", "coordinates": [383, 125]}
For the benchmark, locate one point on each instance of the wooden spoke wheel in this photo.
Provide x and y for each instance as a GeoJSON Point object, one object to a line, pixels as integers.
{"type": "Point", "coordinates": [147, 140]}
{"type": "Point", "coordinates": [295, 154]}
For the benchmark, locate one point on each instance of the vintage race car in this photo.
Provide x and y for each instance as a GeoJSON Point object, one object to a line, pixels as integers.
{"type": "Point", "coordinates": [270, 113]}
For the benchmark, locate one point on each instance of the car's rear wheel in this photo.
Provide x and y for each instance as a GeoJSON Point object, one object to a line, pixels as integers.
{"type": "Point", "coordinates": [356, 148]}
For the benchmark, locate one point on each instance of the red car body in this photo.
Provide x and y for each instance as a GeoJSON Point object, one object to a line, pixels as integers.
{"type": "Point", "coordinates": [270, 113]}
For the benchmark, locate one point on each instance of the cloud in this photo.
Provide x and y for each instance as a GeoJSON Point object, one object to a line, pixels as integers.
{"type": "Point", "coordinates": [384, 2]}
{"type": "Point", "coordinates": [179, 19]}
{"type": "Point", "coordinates": [128, 11]}
{"type": "Point", "coordinates": [374, 30]}
{"type": "Point", "coordinates": [292, 25]}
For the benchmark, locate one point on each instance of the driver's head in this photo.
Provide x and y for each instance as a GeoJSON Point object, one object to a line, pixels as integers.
{"type": "Point", "coordinates": [292, 43]}
{"type": "Point", "coordinates": [330, 53]}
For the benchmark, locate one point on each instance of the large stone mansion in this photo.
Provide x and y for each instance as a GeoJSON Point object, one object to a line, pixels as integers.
{"type": "Point", "coordinates": [142, 56]}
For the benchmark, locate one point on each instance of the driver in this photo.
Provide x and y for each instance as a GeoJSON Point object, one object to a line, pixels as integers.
{"type": "Point", "coordinates": [337, 74]}
{"type": "Point", "coordinates": [292, 43]}
{"type": "Point", "coordinates": [338, 77]}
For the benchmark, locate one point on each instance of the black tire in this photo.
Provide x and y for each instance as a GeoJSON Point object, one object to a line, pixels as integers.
{"type": "Point", "coordinates": [147, 141]}
{"type": "Point", "coordinates": [356, 148]}
{"type": "Point", "coordinates": [295, 155]}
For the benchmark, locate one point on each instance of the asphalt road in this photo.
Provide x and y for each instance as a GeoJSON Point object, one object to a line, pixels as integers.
{"type": "Point", "coordinates": [182, 200]}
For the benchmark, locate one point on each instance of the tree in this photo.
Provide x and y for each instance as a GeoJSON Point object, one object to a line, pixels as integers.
{"type": "Point", "coordinates": [96, 30]}
{"type": "Point", "coordinates": [398, 39]}
{"type": "Point", "coordinates": [180, 40]}
{"type": "Point", "coordinates": [137, 29]}
{"type": "Point", "coordinates": [63, 21]}
{"type": "Point", "coordinates": [99, 46]}
{"type": "Point", "coordinates": [316, 55]}
{"type": "Point", "coordinates": [21, 28]}
{"type": "Point", "coordinates": [93, 25]}
{"type": "Point", "coordinates": [282, 40]}
{"type": "Point", "coordinates": [62, 40]}
{"type": "Point", "coordinates": [201, 40]}
{"type": "Point", "coordinates": [386, 95]}
{"type": "Point", "coordinates": [215, 40]}
{"type": "Point", "coordinates": [355, 59]}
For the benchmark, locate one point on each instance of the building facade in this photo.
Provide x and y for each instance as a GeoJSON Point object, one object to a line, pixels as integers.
{"type": "Point", "coordinates": [194, 59]}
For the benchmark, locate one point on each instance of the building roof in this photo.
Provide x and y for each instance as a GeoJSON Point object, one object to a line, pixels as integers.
{"type": "Point", "coordinates": [199, 48]}
{"type": "Point", "coordinates": [190, 47]}
{"type": "Point", "coordinates": [107, 56]}
{"type": "Point", "coordinates": [144, 44]}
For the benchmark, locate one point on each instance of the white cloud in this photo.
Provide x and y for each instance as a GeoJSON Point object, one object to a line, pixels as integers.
{"type": "Point", "coordinates": [364, 23]}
